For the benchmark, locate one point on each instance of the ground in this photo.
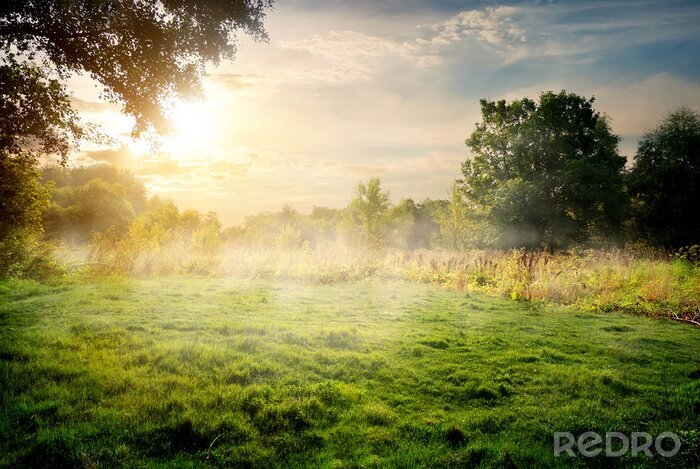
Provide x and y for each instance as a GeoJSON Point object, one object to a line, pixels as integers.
{"type": "Point", "coordinates": [219, 371]}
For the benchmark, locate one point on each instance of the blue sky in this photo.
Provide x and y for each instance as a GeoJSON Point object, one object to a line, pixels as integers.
{"type": "Point", "coordinates": [347, 90]}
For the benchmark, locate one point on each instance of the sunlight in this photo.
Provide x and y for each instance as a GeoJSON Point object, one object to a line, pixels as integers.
{"type": "Point", "coordinates": [139, 146]}
{"type": "Point", "coordinates": [193, 126]}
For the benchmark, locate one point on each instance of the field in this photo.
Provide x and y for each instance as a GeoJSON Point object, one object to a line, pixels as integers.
{"type": "Point", "coordinates": [196, 371]}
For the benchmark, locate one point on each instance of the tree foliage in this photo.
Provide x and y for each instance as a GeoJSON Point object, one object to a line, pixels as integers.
{"type": "Point", "coordinates": [22, 199]}
{"type": "Point", "coordinates": [87, 200]}
{"type": "Point", "coordinates": [368, 210]}
{"type": "Point", "coordinates": [369, 220]}
{"type": "Point", "coordinates": [36, 112]}
{"type": "Point", "coordinates": [145, 54]}
{"type": "Point", "coordinates": [545, 172]}
{"type": "Point", "coordinates": [665, 180]}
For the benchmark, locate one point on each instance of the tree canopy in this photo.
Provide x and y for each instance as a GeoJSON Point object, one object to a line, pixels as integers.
{"type": "Point", "coordinates": [144, 54]}
{"type": "Point", "coordinates": [369, 208]}
{"type": "Point", "coordinates": [545, 172]}
{"type": "Point", "coordinates": [665, 180]}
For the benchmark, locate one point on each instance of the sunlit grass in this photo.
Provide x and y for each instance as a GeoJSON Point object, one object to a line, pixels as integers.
{"type": "Point", "coordinates": [196, 371]}
{"type": "Point", "coordinates": [647, 282]}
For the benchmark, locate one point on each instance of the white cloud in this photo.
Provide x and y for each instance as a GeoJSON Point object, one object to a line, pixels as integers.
{"type": "Point", "coordinates": [494, 26]}
{"type": "Point", "coordinates": [351, 56]}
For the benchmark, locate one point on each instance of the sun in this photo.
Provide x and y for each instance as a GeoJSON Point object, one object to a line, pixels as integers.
{"type": "Point", "coordinates": [193, 126]}
{"type": "Point", "coordinates": [193, 129]}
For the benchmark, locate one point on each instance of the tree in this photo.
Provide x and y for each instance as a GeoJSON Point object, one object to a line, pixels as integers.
{"type": "Point", "coordinates": [72, 177]}
{"type": "Point", "coordinates": [321, 223]}
{"type": "Point", "coordinates": [545, 173]}
{"type": "Point", "coordinates": [89, 199]}
{"type": "Point", "coordinates": [368, 210]}
{"type": "Point", "coordinates": [400, 222]}
{"type": "Point", "coordinates": [426, 228]}
{"type": "Point", "coordinates": [78, 212]}
{"type": "Point", "coordinates": [145, 54]}
{"type": "Point", "coordinates": [22, 199]}
{"type": "Point", "coordinates": [665, 180]}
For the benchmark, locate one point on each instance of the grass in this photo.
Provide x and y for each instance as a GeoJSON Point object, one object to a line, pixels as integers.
{"type": "Point", "coordinates": [638, 280]}
{"type": "Point", "coordinates": [648, 283]}
{"type": "Point", "coordinates": [195, 371]}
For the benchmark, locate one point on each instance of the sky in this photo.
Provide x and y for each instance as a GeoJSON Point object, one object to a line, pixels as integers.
{"type": "Point", "coordinates": [347, 90]}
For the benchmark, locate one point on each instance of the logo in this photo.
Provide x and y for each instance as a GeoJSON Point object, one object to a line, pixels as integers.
{"type": "Point", "coordinates": [616, 444]}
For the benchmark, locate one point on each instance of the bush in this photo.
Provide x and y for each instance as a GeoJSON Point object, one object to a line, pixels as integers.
{"type": "Point", "coordinates": [23, 256]}
{"type": "Point", "coordinates": [22, 198]}
{"type": "Point", "coordinates": [159, 243]}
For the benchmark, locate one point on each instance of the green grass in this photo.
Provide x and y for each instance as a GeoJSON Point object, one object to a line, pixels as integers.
{"type": "Point", "coordinates": [191, 371]}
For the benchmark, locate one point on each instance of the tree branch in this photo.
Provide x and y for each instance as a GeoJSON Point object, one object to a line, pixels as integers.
{"type": "Point", "coordinates": [29, 30]}
{"type": "Point", "coordinates": [688, 320]}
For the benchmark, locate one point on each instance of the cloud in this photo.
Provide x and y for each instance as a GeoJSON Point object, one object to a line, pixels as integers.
{"type": "Point", "coordinates": [235, 81]}
{"type": "Point", "coordinates": [354, 56]}
{"type": "Point", "coordinates": [349, 55]}
{"type": "Point", "coordinates": [208, 172]}
{"type": "Point", "coordinates": [121, 157]}
{"type": "Point", "coordinates": [345, 44]}
{"type": "Point", "coordinates": [222, 169]}
{"type": "Point", "coordinates": [494, 26]}
{"type": "Point", "coordinates": [165, 167]}
{"type": "Point", "coordinates": [353, 169]}
{"type": "Point", "coordinates": [432, 162]}
{"type": "Point", "coordinates": [581, 32]}
{"type": "Point", "coordinates": [92, 107]}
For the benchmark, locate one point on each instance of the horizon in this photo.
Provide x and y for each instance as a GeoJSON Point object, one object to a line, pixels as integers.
{"type": "Point", "coordinates": [340, 94]}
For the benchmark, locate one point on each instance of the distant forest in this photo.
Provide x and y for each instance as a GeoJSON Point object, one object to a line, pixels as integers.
{"type": "Point", "coordinates": [521, 189]}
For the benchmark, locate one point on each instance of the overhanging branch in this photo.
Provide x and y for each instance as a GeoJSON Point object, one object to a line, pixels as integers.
{"type": "Point", "coordinates": [20, 30]}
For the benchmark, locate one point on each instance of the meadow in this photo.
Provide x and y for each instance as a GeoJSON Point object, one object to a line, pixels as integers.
{"type": "Point", "coordinates": [158, 308]}
{"type": "Point", "coordinates": [196, 371]}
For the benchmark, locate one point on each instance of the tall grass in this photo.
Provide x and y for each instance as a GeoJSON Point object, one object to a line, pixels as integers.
{"type": "Point", "coordinates": [649, 283]}
{"type": "Point", "coordinates": [636, 280]}
{"type": "Point", "coordinates": [153, 250]}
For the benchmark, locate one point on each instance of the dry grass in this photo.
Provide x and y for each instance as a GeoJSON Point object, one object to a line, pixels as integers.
{"type": "Point", "coordinates": [643, 282]}
{"type": "Point", "coordinates": [608, 280]}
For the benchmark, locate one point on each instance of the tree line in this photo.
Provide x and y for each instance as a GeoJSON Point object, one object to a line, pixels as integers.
{"type": "Point", "coordinates": [548, 173]}
{"type": "Point", "coordinates": [543, 174]}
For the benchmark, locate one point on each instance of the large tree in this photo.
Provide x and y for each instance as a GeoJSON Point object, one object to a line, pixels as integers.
{"type": "Point", "coordinates": [545, 172]}
{"type": "Point", "coordinates": [665, 180]}
{"type": "Point", "coordinates": [145, 54]}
